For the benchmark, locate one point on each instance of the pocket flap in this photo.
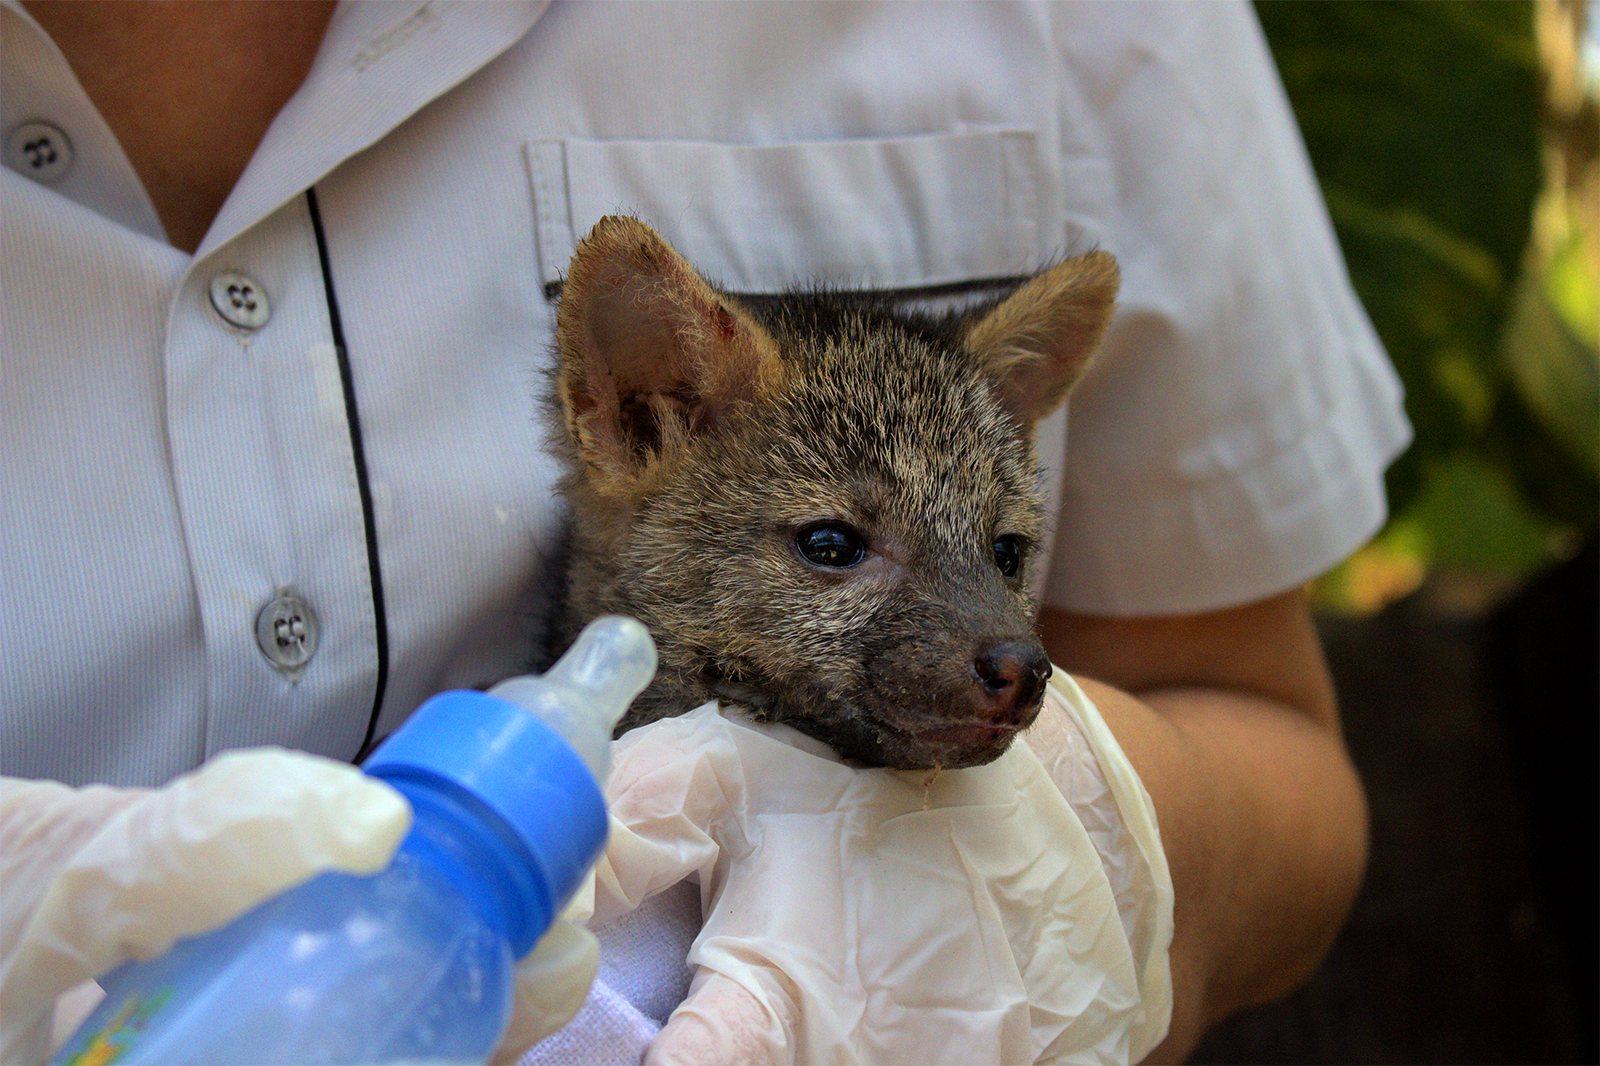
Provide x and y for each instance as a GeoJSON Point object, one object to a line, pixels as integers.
{"type": "Point", "coordinates": [896, 213]}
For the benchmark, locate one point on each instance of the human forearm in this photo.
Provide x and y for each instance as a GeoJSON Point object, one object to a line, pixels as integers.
{"type": "Point", "coordinates": [1232, 724]}
{"type": "Point", "coordinates": [1264, 825]}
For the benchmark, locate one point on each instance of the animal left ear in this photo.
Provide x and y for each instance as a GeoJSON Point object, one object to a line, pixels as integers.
{"type": "Point", "coordinates": [1037, 342]}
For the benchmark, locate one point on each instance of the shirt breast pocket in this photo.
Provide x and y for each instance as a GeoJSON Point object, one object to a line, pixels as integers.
{"type": "Point", "coordinates": [908, 214]}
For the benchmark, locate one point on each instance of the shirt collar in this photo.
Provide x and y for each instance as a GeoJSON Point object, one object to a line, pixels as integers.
{"type": "Point", "coordinates": [380, 62]}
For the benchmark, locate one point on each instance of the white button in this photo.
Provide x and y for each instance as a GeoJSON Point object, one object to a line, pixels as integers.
{"type": "Point", "coordinates": [39, 150]}
{"type": "Point", "coordinates": [287, 632]}
{"type": "Point", "coordinates": [240, 299]}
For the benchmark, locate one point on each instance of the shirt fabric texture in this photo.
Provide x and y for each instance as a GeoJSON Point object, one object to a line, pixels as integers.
{"type": "Point", "coordinates": [168, 474]}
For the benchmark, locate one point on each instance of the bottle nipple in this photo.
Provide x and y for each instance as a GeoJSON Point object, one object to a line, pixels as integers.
{"type": "Point", "coordinates": [589, 688]}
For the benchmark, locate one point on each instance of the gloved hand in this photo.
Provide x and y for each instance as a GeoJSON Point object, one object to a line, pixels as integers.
{"type": "Point", "coordinates": [97, 876]}
{"type": "Point", "coordinates": [1005, 913]}
{"type": "Point", "coordinates": [552, 981]}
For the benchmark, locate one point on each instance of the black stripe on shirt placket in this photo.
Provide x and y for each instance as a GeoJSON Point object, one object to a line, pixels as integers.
{"type": "Point", "coordinates": [363, 484]}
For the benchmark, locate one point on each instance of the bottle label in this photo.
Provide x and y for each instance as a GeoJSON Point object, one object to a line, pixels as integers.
{"type": "Point", "coordinates": [122, 1030]}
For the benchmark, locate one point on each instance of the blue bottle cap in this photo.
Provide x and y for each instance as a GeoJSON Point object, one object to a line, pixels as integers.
{"type": "Point", "coordinates": [482, 751]}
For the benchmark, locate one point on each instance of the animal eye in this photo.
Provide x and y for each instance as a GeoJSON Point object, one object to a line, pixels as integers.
{"type": "Point", "coordinates": [830, 545]}
{"type": "Point", "coordinates": [1008, 555]}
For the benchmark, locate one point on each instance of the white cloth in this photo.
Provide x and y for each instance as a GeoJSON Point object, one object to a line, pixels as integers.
{"type": "Point", "coordinates": [1017, 912]}
{"type": "Point", "coordinates": [167, 475]}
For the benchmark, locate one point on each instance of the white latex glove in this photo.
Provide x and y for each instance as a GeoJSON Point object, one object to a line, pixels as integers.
{"type": "Point", "coordinates": [1006, 913]}
{"type": "Point", "coordinates": [97, 876]}
{"type": "Point", "coordinates": [552, 981]}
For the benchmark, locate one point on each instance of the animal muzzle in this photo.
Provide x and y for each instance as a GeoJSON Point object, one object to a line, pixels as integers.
{"type": "Point", "coordinates": [1008, 682]}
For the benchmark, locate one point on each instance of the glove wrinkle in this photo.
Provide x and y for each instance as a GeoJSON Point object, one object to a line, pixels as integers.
{"type": "Point", "coordinates": [724, 1022]}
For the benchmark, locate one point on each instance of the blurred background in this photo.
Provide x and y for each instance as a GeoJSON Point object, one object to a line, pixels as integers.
{"type": "Point", "coordinates": [1456, 142]}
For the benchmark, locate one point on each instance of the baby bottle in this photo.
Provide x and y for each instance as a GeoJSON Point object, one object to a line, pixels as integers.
{"type": "Point", "coordinates": [415, 963]}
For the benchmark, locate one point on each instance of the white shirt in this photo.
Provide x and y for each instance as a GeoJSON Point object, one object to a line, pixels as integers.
{"type": "Point", "coordinates": [168, 474]}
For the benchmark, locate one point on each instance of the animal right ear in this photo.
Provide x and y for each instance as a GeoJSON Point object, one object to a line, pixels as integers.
{"type": "Point", "coordinates": [1037, 342]}
{"type": "Point", "coordinates": [650, 353]}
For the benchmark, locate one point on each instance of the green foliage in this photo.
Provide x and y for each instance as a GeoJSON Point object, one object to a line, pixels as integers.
{"type": "Point", "coordinates": [1556, 371]}
{"type": "Point", "coordinates": [1470, 517]}
{"type": "Point", "coordinates": [1422, 120]}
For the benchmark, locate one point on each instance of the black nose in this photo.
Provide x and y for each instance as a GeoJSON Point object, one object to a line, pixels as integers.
{"type": "Point", "coordinates": [1009, 679]}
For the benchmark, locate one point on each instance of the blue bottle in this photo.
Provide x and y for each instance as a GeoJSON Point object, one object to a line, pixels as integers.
{"type": "Point", "coordinates": [413, 964]}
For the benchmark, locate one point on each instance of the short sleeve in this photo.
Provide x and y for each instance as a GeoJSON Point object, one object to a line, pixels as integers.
{"type": "Point", "coordinates": [1229, 442]}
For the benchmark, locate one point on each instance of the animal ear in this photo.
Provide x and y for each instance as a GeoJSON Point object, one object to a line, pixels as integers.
{"type": "Point", "coordinates": [650, 353]}
{"type": "Point", "coordinates": [1037, 342]}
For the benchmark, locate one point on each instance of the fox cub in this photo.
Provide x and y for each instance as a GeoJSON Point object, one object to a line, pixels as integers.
{"type": "Point", "coordinates": [823, 509]}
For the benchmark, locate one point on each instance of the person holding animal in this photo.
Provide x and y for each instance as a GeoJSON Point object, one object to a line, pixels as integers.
{"type": "Point", "coordinates": [279, 282]}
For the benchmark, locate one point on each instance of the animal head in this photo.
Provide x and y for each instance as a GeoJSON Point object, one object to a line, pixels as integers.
{"type": "Point", "coordinates": [823, 510]}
